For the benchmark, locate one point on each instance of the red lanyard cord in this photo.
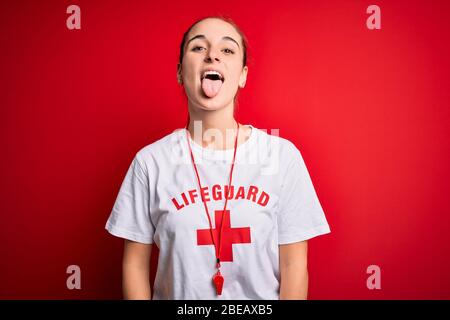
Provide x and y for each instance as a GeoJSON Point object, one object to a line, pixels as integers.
{"type": "Point", "coordinates": [217, 249]}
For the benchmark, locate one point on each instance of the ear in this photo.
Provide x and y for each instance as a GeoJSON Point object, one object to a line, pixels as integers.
{"type": "Point", "coordinates": [243, 77]}
{"type": "Point", "coordinates": [179, 77]}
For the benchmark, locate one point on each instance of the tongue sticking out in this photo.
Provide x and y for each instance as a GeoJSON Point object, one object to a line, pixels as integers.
{"type": "Point", "coordinates": [211, 87]}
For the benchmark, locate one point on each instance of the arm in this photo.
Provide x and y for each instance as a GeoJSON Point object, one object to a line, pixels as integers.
{"type": "Point", "coordinates": [294, 271]}
{"type": "Point", "coordinates": [136, 271]}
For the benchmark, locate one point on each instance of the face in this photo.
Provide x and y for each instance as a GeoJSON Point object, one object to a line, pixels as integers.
{"type": "Point", "coordinates": [213, 44]}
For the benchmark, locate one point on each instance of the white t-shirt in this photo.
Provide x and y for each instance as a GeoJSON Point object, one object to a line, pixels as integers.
{"type": "Point", "coordinates": [272, 201]}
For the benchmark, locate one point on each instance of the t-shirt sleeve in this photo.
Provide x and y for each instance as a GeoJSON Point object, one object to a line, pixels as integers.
{"type": "Point", "coordinates": [130, 216]}
{"type": "Point", "coordinates": [300, 215]}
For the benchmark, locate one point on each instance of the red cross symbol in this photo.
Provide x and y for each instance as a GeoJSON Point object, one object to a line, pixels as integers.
{"type": "Point", "coordinates": [229, 235]}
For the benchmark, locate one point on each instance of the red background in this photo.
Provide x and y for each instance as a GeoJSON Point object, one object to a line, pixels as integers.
{"type": "Point", "coordinates": [367, 108]}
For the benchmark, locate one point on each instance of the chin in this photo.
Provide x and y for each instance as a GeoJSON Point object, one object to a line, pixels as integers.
{"type": "Point", "coordinates": [211, 104]}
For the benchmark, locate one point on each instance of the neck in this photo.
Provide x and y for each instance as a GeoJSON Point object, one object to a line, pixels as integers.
{"type": "Point", "coordinates": [215, 129]}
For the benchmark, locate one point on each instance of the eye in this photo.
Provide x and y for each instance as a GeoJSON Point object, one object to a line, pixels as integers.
{"type": "Point", "coordinates": [196, 48]}
{"type": "Point", "coordinates": [228, 51]}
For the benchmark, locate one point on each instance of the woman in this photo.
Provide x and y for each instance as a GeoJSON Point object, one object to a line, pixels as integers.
{"type": "Point", "coordinates": [229, 206]}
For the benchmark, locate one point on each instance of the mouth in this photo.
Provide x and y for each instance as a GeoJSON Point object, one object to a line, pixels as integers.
{"type": "Point", "coordinates": [212, 75]}
{"type": "Point", "coordinates": [212, 81]}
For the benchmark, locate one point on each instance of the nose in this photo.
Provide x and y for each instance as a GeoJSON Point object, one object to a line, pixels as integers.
{"type": "Point", "coordinates": [211, 55]}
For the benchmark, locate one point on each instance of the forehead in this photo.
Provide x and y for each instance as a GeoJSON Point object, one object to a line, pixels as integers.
{"type": "Point", "coordinates": [214, 28]}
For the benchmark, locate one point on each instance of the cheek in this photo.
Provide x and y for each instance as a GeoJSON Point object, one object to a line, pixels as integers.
{"type": "Point", "coordinates": [234, 75]}
{"type": "Point", "coordinates": [190, 76]}
{"type": "Point", "coordinates": [189, 68]}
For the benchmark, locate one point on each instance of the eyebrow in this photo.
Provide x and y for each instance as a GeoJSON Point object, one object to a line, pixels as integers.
{"type": "Point", "coordinates": [201, 36]}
